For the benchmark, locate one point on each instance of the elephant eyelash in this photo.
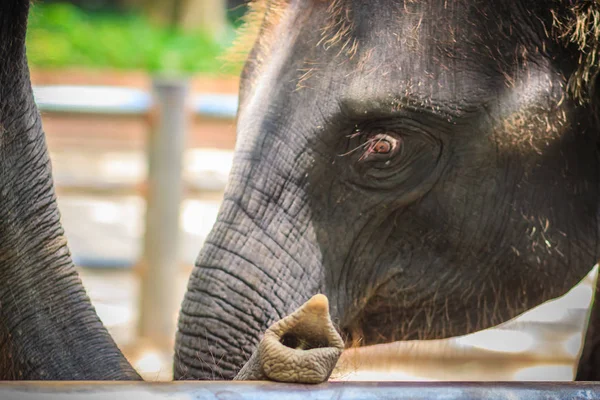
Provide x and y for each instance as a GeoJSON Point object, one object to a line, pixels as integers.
{"type": "Point", "coordinates": [372, 142]}
{"type": "Point", "coordinates": [357, 132]}
{"type": "Point", "coordinates": [369, 144]}
{"type": "Point", "coordinates": [355, 149]}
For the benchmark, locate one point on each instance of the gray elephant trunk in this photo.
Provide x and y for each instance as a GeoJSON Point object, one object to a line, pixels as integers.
{"type": "Point", "coordinates": [246, 277]}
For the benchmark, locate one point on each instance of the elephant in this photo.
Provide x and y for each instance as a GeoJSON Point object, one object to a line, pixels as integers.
{"type": "Point", "coordinates": [431, 166]}
{"type": "Point", "coordinates": [420, 168]}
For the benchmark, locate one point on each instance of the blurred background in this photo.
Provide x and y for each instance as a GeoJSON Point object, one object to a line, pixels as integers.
{"type": "Point", "coordinates": [139, 108]}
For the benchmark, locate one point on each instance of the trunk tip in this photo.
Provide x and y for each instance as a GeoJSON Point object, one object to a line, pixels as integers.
{"type": "Point", "coordinates": [318, 304]}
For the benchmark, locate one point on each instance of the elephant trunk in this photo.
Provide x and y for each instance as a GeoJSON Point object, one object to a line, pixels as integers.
{"type": "Point", "coordinates": [48, 327]}
{"type": "Point", "coordinates": [247, 276]}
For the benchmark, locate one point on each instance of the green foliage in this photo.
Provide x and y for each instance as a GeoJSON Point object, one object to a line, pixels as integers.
{"type": "Point", "coordinates": [62, 35]}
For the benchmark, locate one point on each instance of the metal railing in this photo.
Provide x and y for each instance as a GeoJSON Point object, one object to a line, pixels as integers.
{"type": "Point", "coordinates": [112, 100]}
{"type": "Point", "coordinates": [169, 105]}
{"type": "Point", "coordinates": [334, 390]}
{"type": "Point", "coordinates": [128, 101]}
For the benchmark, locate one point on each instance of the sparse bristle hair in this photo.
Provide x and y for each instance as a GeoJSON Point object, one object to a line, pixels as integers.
{"type": "Point", "coordinates": [261, 17]}
{"type": "Point", "coordinates": [579, 26]}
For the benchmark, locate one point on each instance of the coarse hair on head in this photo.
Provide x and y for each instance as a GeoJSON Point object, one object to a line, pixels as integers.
{"type": "Point", "coordinates": [577, 23]}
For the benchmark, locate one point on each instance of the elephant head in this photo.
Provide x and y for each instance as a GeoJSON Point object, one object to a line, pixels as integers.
{"type": "Point", "coordinates": [426, 165]}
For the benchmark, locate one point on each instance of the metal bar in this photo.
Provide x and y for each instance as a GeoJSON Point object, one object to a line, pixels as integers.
{"type": "Point", "coordinates": [79, 187]}
{"type": "Point", "coordinates": [158, 306]}
{"type": "Point", "coordinates": [110, 100]}
{"type": "Point", "coordinates": [215, 105]}
{"type": "Point", "coordinates": [275, 391]}
{"type": "Point", "coordinates": [98, 188]}
{"type": "Point", "coordinates": [92, 99]}
{"type": "Point", "coordinates": [114, 263]}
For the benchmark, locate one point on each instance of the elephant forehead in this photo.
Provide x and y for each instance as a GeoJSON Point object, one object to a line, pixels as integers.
{"type": "Point", "coordinates": [445, 53]}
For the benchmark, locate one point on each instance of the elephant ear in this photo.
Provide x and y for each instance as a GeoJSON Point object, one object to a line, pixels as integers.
{"type": "Point", "coordinates": [303, 347]}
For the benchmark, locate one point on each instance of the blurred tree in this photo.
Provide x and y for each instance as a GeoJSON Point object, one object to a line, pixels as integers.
{"type": "Point", "coordinates": [207, 15]}
{"type": "Point", "coordinates": [186, 13]}
{"type": "Point", "coordinates": [91, 5]}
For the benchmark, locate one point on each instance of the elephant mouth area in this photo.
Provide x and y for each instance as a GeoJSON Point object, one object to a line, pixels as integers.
{"type": "Point", "coordinates": [420, 360]}
{"type": "Point", "coordinates": [389, 316]}
{"type": "Point", "coordinates": [395, 361]}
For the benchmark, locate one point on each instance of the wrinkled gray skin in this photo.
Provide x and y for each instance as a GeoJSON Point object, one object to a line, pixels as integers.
{"type": "Point", "coordinates": [48, 328]}
{"type": "Point", "coordinates": [488, 207]}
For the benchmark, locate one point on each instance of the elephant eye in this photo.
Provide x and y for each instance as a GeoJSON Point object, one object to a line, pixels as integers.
{"type": "Point", "coordinates": [382, 146]}
{"type": "Point", "coordinates": [379, 146]}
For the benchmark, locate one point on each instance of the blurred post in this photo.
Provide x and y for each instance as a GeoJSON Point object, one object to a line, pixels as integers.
{"type": "Point", "coordinates": [160, 265]}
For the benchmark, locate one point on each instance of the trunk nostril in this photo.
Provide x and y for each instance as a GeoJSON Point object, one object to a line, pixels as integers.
{"type": "Point", "coordinates": [292, 341]}
{"type": "Point", "coordinates": [297, 342]}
